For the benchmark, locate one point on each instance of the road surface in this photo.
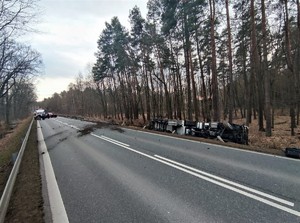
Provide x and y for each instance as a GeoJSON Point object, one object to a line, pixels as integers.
{"type": "Point", "coordinates": [133, 176]}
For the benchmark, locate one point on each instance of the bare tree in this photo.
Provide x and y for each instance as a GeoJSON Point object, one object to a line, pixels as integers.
{"type": "Point", "coordinates": [17, 62]}
{"type": "Point", "coordinates": [16, 16]}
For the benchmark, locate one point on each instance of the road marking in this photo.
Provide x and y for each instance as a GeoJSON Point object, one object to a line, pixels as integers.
{"type": "Point", "coordinates": [66, 124]}
{"type": "Point", "coordinates": [110, 140]}
{"type": "Point", "coordinates": [278, 206]}
{"type": "Point", "coordinates": [57, 207]}
{"type": "Point", "coordinates": [228, 182]}
{"type": "Point", "coordinates": [114, 140]}
{"type": "Point", "coordinates": [187, 170]}
{"type": "Point", "coordinates": [74, 127]}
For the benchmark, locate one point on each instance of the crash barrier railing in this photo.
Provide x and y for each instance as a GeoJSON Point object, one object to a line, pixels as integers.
{"type": "Point", "coordinates": [4, 202]}
{"type": "Point", "coordinates": [222, 131]}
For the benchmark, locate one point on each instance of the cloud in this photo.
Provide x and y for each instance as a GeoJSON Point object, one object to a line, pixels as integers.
{"type": "Point", "coordinates": [99, 8]}
{"type": "Point", "coordinates": [69, 30]}
{"type": "Point", "coordinates": [46, 87]}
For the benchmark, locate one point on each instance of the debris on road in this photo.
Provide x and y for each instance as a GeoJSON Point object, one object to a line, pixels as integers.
{"type": "Point", "coordinates": [86, 130]}
{"type": "Point", "coordinates": [292, 152]}
{"type": "Point", "coordinates": [223, 131]}
{"type": "Point", "coordinates": [99, 125]}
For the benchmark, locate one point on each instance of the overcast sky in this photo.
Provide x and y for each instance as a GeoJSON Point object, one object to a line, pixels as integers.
{"type": "Point", "coordinates": [68, 34]}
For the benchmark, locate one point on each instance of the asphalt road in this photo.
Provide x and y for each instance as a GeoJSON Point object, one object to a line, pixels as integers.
{"type": "Point", "coordinates": [132, 176]}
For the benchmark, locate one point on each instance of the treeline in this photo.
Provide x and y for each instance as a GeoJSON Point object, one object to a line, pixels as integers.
{"type": "Point", "coordinates": [195, 60]}
{"type": "Point", "coordinates": [18, 62]}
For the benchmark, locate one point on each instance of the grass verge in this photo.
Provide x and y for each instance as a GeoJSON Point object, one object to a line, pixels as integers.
{"type": "Point", "coordinates": [9, 145]}
{"type": "Point", "coordinates": [26, 204]}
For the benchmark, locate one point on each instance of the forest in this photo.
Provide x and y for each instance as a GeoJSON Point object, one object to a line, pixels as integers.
{"type": "Point", "coordinates": [19, 63]}
{"type": "Point", "coordinates": [203, 60]}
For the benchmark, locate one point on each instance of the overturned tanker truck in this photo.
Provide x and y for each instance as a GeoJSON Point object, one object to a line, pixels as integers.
{"type": "Point", "coordinates": [226, 132]}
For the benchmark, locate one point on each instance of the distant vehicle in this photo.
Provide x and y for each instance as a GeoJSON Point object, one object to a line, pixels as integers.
{"type": "Point", "coordinates": [51, 115]}
{"type": "Point", "coordinates": [40, 114]}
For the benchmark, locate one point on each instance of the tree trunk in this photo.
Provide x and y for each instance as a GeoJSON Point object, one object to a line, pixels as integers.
{"type": "Point", "coordinates": [180, 112]}
{"type": "Point", "coordinates": [154, 101]}
{"type": "Point", "coordinates": [231, 96]}
{"type": "Point", "coordinates": [291, 69]}
{"type": "Point", "coordinates": [102, 99]}
{"type": "Point", "coordinates": [148, 106]}
{"type": "Point", "coordinates": [7, 106]}
{"type": "Point", "coordinates": [205, 109]}
{"type": "Point", "coordinates": [248, 87]}
{"type": "Point", "coordinates": [125, 101]}
{"type": "Point", "coordinates": [196, 107]}
{"type": "Point", "coordinates": [186, 44]}
{"type": "Point", "coordinates": [177, 84]}
{"type": "Point", "coordinates": [137, 99]}
{"type": "Point", "coordinates": [266, 73]}
{"type": "Point", "coordinates": [255, 66]}
{"type": "Point", "coordinates": [297, 58]}
{"type": "Point", "coordinates": [215, 89]}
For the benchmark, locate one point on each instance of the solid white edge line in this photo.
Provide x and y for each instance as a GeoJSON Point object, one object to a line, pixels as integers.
{"type": "Point", "coordinates": [229, 182]}
{"type": "Point", "coordinates": [216, 145]}
{"type": "Point", "coordinates": [59, 214]}
{"type": "Point", "coordinates": [268, 202]}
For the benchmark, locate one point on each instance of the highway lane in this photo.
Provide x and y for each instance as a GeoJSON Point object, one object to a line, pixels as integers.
{"type": "Point", "coordinates": [133, 176]}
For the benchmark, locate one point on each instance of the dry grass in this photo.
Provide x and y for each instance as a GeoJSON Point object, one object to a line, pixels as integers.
{"type": "Point", "coordinates": [10, 144]}
{"type": "Point", "coordinates": [281, 135]}
{"type": "Point", "coordinates": [280, 139]}
{"type": "Point", "coordinates": [13, 141]}
{"type": "Point", "coordinates": [26, 204]}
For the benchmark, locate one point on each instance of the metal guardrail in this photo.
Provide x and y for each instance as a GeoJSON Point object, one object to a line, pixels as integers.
{"type": "Point", "coordinates": [4, 202]}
